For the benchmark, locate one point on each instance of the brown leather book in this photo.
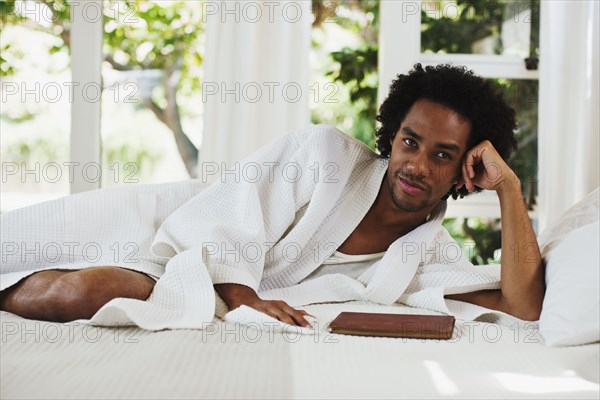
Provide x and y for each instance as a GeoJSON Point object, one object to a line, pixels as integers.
{"type": "Point", "coordinates": [415, 326]}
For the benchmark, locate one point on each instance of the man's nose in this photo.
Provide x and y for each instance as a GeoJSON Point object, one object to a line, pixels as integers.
{"type": "Point", "coordinates": [419, 165]}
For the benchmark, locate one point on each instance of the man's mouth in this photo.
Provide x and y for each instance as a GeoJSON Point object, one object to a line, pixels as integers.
{"type": "Point", "coordinates": [410, 186]}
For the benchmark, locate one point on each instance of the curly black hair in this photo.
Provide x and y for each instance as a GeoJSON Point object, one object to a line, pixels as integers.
{"type": "Point", "coordinates": [459, 89]}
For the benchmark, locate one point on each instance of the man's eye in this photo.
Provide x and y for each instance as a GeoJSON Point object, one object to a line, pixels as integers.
{"type": "Point", "coordinates": [410, 142]}
{"type": "Point", "coordinates": [443, 155]}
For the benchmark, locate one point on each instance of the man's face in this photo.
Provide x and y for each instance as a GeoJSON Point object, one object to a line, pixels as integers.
{"type": "Point", "coordinates": [426, 155]}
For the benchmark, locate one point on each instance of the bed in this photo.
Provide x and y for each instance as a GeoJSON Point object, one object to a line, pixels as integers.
{"type": "Point", "coordinates": [481, 360]}
{"type": "Point", "coordinates": [555, 357]}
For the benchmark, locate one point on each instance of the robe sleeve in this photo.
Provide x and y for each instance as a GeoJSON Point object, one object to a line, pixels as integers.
{"type": "Point", "coordinates": [236, 220]}
{"type": "Point", "coordinates": [446, 266]}
{"type": "Point", "coordinates": [446, 270]}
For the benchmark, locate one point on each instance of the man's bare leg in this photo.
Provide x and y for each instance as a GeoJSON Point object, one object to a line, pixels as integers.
{"type": "Point", "coordinates": [66, 295]}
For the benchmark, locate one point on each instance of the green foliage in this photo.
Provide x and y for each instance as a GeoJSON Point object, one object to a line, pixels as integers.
{"type": "Point", "coordinates": [147, 35]}
{"type": "Point", "coordinates": [42, 149]}
{"type": "Point", "coordinates": [441, 32]}
{"type": "Point", "coordinates": [454, 27]}
{"type": "Point", "coordinates": [125, 154]}
{"type": "Point", "coordinates": [5, 68]}
{"type": "Point", "coordinates": [7, 8]}
{"type": "Point", "coordinates": [354, 68]}
{"type": "Point", "coordinates": [138, 35]}
{"type": "Point", "coordinates": [37, 149]}
{"type": "Point", "coordinates": [522, 96]}
{"type": "Point", "coordinates": [54, 21]}
{"type": "Point", "coordinates": [357, 69]}
{"type": "Point", "coordinates": [478, 238]}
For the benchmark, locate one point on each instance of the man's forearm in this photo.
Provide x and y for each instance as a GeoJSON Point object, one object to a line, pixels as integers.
{"type": "Point", "coordinates": [235, 295]}
{"type": "Point", "coordinates": [522, 273]}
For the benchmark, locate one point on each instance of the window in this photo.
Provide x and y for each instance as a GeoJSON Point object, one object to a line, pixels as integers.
{"type": "Point", "coordinates": [98, 93]}
{"type": "Point", "coordinates": [36, 104]}
{"type": "Point", "coordinates": [499, 41]}
{"type": "Point", "coordinates": [151, 104]}
{"type": "Point", "coordinates": [343, 63]}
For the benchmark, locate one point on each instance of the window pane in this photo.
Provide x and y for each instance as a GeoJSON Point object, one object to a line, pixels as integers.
{"type": "Point", "coordinates": [343, 60]}
{"type": "Point", "coordinates": [36, 108]}
{"type": "Point", "coordinates": [479, 238]}
{"type": "Point", "coordinates": [480, 27]}
{"type": "Point", "coordinates": [152, 105]}
{"type": "Point", "coordinates": [522, 96]}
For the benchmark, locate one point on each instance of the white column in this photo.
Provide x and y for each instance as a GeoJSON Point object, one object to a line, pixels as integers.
{"type": "Point", "coordinates": [400, 29]}
{"type": "Point", "coordinates": [86, 63]}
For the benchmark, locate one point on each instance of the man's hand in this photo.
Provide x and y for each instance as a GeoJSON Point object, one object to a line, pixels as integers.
{"type": "Point", "coordinates": [237, 295]}
{"type": "Point", "coordinates": [485, 168]}
{"type": "Point", "coordinates": [280, 310]}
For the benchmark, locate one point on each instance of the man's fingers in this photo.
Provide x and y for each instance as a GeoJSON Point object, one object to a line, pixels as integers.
{"type": "Point", "coordinates": [471, 159]}
{"type": "Point", "coordinates": [272, 311]}
{"type": "Point", "coordinates": [300, 321]}
{"type": "Point", "coordinates": [304, 320]}
{"type": "Point", "coordinates": [296, 315]}
{"type": "Point", "coordinates": [467, 180]}
{"type": "Point", "coordinates": [305, 313]}
{"type": "Point", "coordinates": [483, 164]}
{"type": "Point", "coordinates": [287, 314]}
{"type": "Point", "coordinates": [281, 311]}
{"type": "Point", "coordinates": [282, 316]}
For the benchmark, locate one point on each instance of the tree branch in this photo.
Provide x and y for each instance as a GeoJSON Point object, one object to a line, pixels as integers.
{"type": "Point", "coordinates": [155, 108]}
{"type": "Point", "coordinates": [31, 24]}
{"type": "Point", "coordinates": [187, 149]}
{"type": "Point", "coordinates": [116, 65]}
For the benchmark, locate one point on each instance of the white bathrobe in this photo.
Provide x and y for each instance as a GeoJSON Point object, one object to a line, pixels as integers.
{"type": "Point", "coordinates": [269, 223]}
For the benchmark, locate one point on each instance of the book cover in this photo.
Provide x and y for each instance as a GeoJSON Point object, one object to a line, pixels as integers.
{"type": "Point", "coordinates": [414, 326]}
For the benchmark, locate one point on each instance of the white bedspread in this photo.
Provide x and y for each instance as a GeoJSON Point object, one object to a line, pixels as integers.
{"type": "Point", "coordinates": [225, 360]}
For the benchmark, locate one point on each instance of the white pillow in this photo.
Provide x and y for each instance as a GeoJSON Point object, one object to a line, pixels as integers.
{"type": "Point", "coordinates": [584, 212]}
{"type": "Point", "coordinates": [571, 309]}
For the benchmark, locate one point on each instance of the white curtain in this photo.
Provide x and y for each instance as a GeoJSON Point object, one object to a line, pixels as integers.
{"type": "Point", "coordinates": [256, 75]}
{"type": "Point", "coordinates": [568, 107]}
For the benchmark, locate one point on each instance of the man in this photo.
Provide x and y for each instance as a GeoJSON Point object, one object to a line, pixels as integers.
{"type": "Point", "coordinates": [444, 132]}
